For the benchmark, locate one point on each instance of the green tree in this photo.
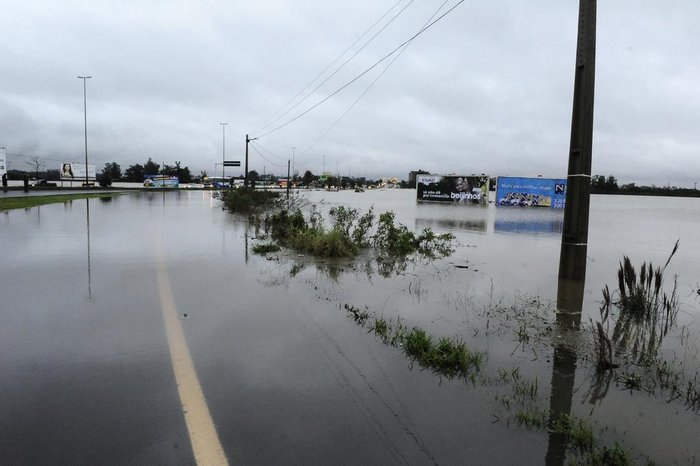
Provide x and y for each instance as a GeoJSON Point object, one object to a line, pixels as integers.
{"type": "Point", "coordinates": [602, 185]}
{"type": "Point", "coordinates": [150, 167]}
{"type": "Point", "coordinates": [308, 178]}
{"type": "Point", "coordinates": [134, 173]}
{"type": "Point", "coordinates": [113, 170]}
{"type": "Point", "coordinates": [182, 174]}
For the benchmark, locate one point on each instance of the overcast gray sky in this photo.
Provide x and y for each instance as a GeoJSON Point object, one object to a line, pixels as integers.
{"type": "Point", "coordinates": [486, 89]}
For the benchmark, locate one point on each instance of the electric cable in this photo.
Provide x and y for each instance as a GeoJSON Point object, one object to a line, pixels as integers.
{"type": "Point", "coordinates": [317, 104]}
{"type": "Point", "coordinates": [386, 68]}
{"type": "Point", "coordinates": [267, 121]}
{"type": "Point", "coordinates": [265, 158]}
{"type": "Point", "coordinates": [270, 153]}
{"type": "Point", "coordinates": [339, 68]}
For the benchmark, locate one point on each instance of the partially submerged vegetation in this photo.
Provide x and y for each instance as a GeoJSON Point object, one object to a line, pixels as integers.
{"type": "Point", "coordinates": [446, 356]}
{"type": "Point", "coordinates": [23, 202]}
{"type": "Point", "coordinates": [634, 321]}
{"type": "Point", "coordinates": [265, 248]}
{"type": "Point", "coordinates": [451, 358]}
{"type": "Point", "coordinates": [247, 200]}
{"type": "Point", "coordinates": [350, 232]}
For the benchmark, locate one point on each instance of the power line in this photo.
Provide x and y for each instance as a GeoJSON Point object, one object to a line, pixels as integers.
{"type": "Point", "coordinates": [265, 158]}
{"type": "Point", "coordinates": [270, 120]}
{"type": "Point", "coordinates": [269, 152]}
{"type": "Point", "coordinates": [15, 154]}
{"type": "Point", "coordinates": [361, 74]}
{"type": "Point", "coordinates": [386, 68]}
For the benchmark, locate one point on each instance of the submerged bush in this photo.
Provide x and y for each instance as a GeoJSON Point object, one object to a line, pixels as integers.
{"type": "Point", "coordinates": [264, 248]}
{"type": "Point", "coordinates": [248, 200]}
{"type": "Point", "coordinates": [350, 232]}
{"type": "Point", "coordinates": [393, 239]}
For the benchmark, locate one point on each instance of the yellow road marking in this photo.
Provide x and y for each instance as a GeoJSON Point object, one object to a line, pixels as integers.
{"type": "Point", "coordinates": [203, 436]}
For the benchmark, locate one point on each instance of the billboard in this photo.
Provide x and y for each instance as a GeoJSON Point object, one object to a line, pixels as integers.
{"type": "Point", "coordinates": [76, 171]}
{"type": "Point", "coordinates": [161, 181]}
{"type": "Point", "coordinates": [3, 161]}
{"type": "Point", "coordinates": [531, 192]}
{"type": "Point", "coordinates": [454, 189]}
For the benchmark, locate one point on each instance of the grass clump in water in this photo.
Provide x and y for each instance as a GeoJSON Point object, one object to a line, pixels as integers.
{"type": "Point", "coordinates": [265, 248]}
{"type": "Point", "coordinates": [448, 356]}
{"type": "Point", "coordinates": [358, 316]}
{"type": "Point", "coordinates": [640, 296]}
{"type": "Point", "coordinates": [578, 436]}
{"type": "Point", "coordinates": [641, 314]}
{"type": "Point", "coordinates": [635, 319]}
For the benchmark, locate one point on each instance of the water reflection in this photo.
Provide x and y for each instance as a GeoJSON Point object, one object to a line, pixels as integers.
{"type": "Point", "coordinates": [89, 262]}
{"type": "Point", "coordinates": [529, 221]}
{"type": "Point", "coordinates": [478, 225]}
{"type": "Point", "coordinates": [545, 226]}
{"type": "Point", "coordinates": [569, 307]}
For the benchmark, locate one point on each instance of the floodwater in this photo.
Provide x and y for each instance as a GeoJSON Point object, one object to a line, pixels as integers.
{"type": "Point", "coordinates": [287, 376]}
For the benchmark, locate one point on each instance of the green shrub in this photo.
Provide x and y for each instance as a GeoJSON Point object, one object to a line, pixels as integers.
{"type": "Point", "coordinates": [265, 248]}
{"type": "Point", "coordinates": [248, 200]}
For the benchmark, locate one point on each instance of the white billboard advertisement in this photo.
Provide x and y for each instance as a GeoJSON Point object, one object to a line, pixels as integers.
{"type": "Point", "coordinates": [3, 161]}
{"type": "Point", "coordinates": [472, 189]}
{"type": "Point", "coordinates": [76, 171]}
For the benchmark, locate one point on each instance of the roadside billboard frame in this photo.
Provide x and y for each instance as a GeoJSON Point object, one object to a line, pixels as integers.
{"type": "Point", "coordinates": [453, 189]}
{"type": "Point", "coordinates": [531, 192]}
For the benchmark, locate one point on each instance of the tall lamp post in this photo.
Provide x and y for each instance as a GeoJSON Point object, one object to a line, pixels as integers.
{"type": "Point", "coordinates": [223, 160]}
{"type": "Point", "coordinates": [85, 78]}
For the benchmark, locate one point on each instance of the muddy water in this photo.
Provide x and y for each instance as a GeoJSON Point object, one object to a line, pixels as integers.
{"type": "Point", "coordinates": [288, 377]}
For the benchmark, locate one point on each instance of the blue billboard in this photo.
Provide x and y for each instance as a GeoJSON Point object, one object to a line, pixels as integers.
{"type": "Point", "coordinates": [531, 192]}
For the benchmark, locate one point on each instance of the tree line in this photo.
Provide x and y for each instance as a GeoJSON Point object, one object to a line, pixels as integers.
{"type": "Point", "coordinates": [137, 172]}
{"type": "Point", "coordinates": [111, 171]}
{"type": "Point", "coordinates": [608, 185]}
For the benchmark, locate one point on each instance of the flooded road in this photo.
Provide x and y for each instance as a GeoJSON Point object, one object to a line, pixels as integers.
{"type": "Point", "coordinates": [88, 373]}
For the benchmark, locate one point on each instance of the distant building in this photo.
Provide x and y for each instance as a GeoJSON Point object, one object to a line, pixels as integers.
{"type": "Point", "coordinates": [412, 177]}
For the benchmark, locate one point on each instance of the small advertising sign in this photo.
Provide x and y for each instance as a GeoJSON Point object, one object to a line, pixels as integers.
{"type": "Point", "coordinates": [454, 189]}
{"type": "Point", "coordinates": [161, 181]}
{"type": "Point", "coordinates": [76, 171]}
{"type": "Point", "coordinates": [531, 192]}
{"type": "Point", "coordinates": [3, 161]}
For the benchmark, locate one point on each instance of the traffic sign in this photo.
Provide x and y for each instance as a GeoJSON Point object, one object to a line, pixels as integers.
{"type": "Point", "coordinates": [232, 163]}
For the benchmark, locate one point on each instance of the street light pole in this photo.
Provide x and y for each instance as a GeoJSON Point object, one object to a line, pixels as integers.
{"type": "Point", "coordinates": [293, 149]}
{"type": "Point", "coordinates": [85, 78]}
{"type": "Point", "coordinates": [223, 150]}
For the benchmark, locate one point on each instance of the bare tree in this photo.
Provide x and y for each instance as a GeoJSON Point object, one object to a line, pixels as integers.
{"type": "Point", "coordinates": [36, 163]}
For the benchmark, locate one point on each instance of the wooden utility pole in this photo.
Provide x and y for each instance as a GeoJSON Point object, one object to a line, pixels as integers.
{"type": "Point", "coordinates": [574, 243]}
